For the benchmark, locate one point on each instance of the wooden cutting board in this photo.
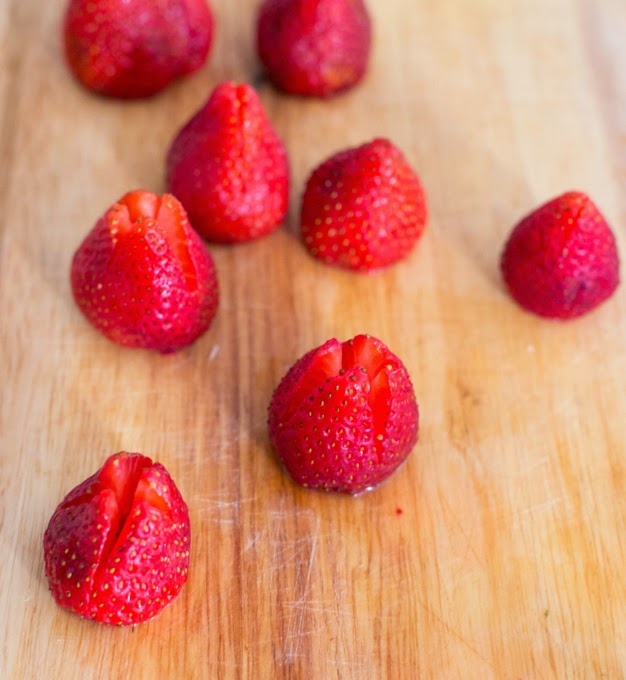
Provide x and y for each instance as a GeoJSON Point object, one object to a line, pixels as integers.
{"type": "Point", "coordinates": [498, 550]}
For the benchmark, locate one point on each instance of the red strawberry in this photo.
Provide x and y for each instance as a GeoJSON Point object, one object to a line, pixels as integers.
{"type": "Point", "coordinates": [363, 208]}
{"type": "Point", "coordinates": [345, 416]}
{"type": "Point", "coordinates": [229, 169]}
{"type": "Point", "coordinates": [314, 47]}
{"type": "Point", "coordinates": [144, 277]}
{"type": "Point", "coordinates": [561, 260]}
{"type": "Point", "coordinates": [117, 548]}
{"type": "Point", "coordinates": [135, 48]}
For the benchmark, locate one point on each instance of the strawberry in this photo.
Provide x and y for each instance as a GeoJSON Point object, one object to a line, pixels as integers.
{"type": "Point", "coordinates": [116, 549]}
{"type": "Point", "coordinates": [229, 168]}
{"type": "Point", "coordinates": [363, 208]}
{"type": "Point", "coordinates": [561, 260]}
{"type": "Point", "coordinates": [144, 277]}
{"type": "Point", "coordinates": [134, 48]}
{"type": "Point", "coordinates": [344, 416]}
{"type": "Point", "coordinates": [314, 47]}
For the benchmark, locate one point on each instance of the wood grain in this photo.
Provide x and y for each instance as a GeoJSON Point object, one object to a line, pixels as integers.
{"type": "Point", "coordinates": [497, 551]}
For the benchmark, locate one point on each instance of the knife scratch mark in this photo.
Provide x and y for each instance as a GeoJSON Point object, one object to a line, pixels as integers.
{"type": "Point", "coordinates": [253, 541]}
{"type": "Point", "coordinates": [467, 534]}
{"type": "Point", "coordinates": [295, 638]}
{"type": "Point", "coordinates": [449, 629]}
{"type": "Point", "coordinates": [320, 607]}
{"type": "Point", "coordinates": [532, 510]}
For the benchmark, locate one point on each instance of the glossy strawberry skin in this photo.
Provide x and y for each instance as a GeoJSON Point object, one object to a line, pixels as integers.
{"type": "Point", "coordinates": [116, 549]}
{"type": "Point", "coordinates": [131, 49]}
{"type": "Point", "coordinates": [314, 47]}
{"type": "Point", "coordinates": [364, 208]}
{"type": "Point", "coordinates": [344, 417]}
{"type": "Point", "coordinates": [561, 260]}
{"type": "Point", "coordinates": [229, 168]}
{"type": "Point", "coordinates": [143, 277]}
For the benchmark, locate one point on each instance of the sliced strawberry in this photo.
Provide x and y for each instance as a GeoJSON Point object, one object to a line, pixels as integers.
{"type": "Point", "coordinates": [363, 351]}
{"type": "Point", "coordinates": [121, 474]}
{"type": "Point", "coordinates": [345, 416]}
{"type": "Point", "coordinates": [306, 375]}
{"type": "Point", "coordinates": [117, 548]}
{"type": "Point", "coordinates": [144, 277]}
{"type": "Point", "coordinates": [148, 210]}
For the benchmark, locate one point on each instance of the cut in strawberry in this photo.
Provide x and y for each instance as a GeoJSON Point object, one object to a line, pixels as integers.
{"type": "Point", "coordinates": [144, 277]}
{"type": "Point", "coordinates": [117, 548]}
{"type": "Point", "coordinates": [169, 214]}
{"type": "Point", "coordinates": [121, 475]}
{"type": "Point", "coordinates": [345, 416]}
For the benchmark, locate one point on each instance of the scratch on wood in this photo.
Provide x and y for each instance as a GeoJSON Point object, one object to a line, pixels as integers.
{"type": "Point", "coordinates": [290, 553]}
{"type": "Point", "coordinates": [449, 629]}
{"type": "Point", "coordinates": [233, 503]}
{"type": "Point", "coordinates": [320, 607]}
{"type": "Point", "coordinates": [295, 638]}
{"type": "Point", "coordinates": [532, 510]}
{"type": "Point", "coordinates": [254, 540]}
{"type": "Point", "coordinates": [467, 534]}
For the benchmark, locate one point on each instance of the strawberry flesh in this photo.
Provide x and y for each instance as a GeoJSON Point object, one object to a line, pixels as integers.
{"type": "Point", "coordinates": [121, 475]}
{"type": "Point", "coordinates": [149, 210]}
{"type": "Point", "coordinates": [345, 416]}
